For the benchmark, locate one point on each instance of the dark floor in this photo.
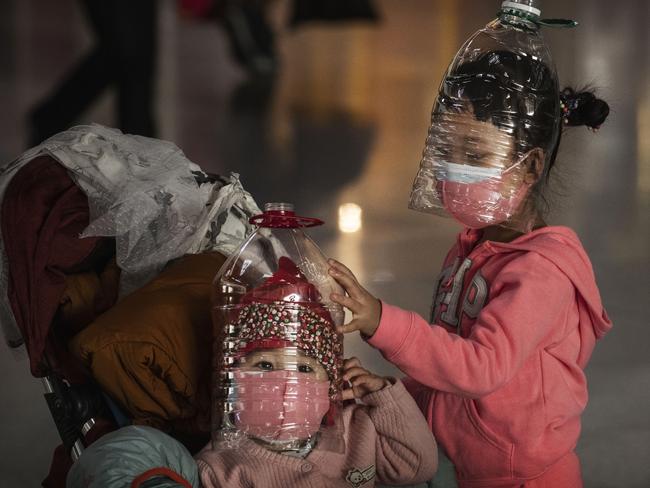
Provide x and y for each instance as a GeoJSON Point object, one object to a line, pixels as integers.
{"type": "Point", "coordinates": [345, 123]}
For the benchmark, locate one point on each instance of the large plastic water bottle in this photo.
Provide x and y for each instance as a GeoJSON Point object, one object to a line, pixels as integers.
{"type": "Point", "coordinates": [498, 102]}
{"type": "Point", "coordinates": [271, 301]}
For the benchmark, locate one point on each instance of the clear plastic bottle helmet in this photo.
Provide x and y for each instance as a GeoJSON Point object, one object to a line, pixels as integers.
{"type": "Point", "coordinates": [494, 125]}
{"type": "Point", "coordinates": [277, 354]}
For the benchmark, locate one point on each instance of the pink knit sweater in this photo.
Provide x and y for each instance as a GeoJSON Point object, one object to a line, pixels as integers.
{"type": "Point", "coordinates": [387, 440]}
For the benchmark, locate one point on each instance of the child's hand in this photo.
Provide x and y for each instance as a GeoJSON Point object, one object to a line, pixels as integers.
{"type": "Point", "coordinates": [366, 309]}
{"type": "Point", "coordinates": [360, 379]}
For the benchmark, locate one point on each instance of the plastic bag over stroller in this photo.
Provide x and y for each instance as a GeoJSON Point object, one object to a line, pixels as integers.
{"type": "Point", "coordinates": [92, 214]}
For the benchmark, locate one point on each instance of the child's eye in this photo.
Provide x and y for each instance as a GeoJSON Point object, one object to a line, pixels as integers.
{"type": "Point", "coordinates": [442, 151]}
{"type": "Point", "coordinates": [475, 157]}
{"type": "Point", "coordinates": [265, 365]}
{"type": "Point", "coordinates": [305, 368]}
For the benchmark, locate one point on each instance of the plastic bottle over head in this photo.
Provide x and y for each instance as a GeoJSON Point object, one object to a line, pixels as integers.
{"type": "Point", "coordinates": [497, 103]}
{"type": "Point", "coordinates": [275, 335]}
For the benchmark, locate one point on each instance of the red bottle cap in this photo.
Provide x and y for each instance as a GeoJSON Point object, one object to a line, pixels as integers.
{"type": "Point", "coordinates": [282, 216]}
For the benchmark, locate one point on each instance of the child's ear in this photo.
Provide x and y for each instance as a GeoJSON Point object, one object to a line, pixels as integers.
{"type": "Point", "coordinates": [534, 164]}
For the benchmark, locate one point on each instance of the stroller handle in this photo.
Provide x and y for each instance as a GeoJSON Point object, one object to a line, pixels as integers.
{"type": "Point", "coordinates": [73, 409]}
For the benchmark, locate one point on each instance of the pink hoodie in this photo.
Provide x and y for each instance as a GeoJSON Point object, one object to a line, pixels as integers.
{"type": "Point", "coordinates": [499, 375]}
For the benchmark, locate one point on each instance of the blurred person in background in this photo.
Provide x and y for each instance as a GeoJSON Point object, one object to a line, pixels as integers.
{"type": "Point", "coordinates": [249, 30]}
{"type": "Point", "coordinates": [123, 57]}
{"type": "Point", "coordinates": [125, 51]}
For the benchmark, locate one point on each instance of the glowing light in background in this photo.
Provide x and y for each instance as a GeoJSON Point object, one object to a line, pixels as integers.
{"type": "Point", "coordinates": [350, 215]}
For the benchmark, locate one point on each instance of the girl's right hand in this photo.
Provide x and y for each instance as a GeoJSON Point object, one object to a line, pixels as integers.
{"type": "Point", "coordinates": [365, 308]}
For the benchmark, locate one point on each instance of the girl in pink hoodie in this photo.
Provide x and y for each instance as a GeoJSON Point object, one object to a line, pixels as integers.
{"type": "Point", "coordinates": [498, 370]}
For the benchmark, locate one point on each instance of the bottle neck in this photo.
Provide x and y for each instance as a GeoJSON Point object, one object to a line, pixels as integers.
{"type": "Point", "coordinates": [278, 207]}
{"type": "Point", "coordinates": [528, 7]}
{"type": "Point", "coordinates": [523, 14]}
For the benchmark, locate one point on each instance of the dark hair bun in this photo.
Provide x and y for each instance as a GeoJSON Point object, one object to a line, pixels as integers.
{"type": "Point", "coordinates": [583, 108]}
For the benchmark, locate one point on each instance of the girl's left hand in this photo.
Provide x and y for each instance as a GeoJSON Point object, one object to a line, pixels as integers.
{"type": "Point", "coordinates": [365, 308]}
{"type": "Point", "coordinates": [361, 381]}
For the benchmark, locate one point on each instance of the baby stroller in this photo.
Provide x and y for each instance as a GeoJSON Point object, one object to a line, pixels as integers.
{"type": "Point", "coordinates": [102, 235]}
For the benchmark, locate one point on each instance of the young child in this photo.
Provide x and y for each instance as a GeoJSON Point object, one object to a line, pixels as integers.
{"type": "Point", "coordinates": [499, 369]}
{"type": "Point", "coordinates": [284, 390]}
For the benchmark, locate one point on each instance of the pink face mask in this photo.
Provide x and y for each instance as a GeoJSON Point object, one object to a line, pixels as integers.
{"type": "Point", "coordinates": [280, 405]}
{"type": "Point", "coordinates": [477, 200]}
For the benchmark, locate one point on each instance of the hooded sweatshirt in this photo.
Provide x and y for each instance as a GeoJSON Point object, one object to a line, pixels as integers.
{"type": "Point", "coordinates": [499, 371]}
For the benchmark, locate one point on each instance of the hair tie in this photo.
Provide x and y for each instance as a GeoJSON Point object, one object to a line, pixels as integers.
{"type": "Point", "coordinates": [567, 104]}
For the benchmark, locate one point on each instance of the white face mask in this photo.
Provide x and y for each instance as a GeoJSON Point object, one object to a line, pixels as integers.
{"type": "Point", "coordinates": [463, 173]}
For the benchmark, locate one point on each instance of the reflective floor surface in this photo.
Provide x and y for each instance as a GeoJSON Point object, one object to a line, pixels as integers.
{"type": "Point", "coordinates": [344, 122]}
